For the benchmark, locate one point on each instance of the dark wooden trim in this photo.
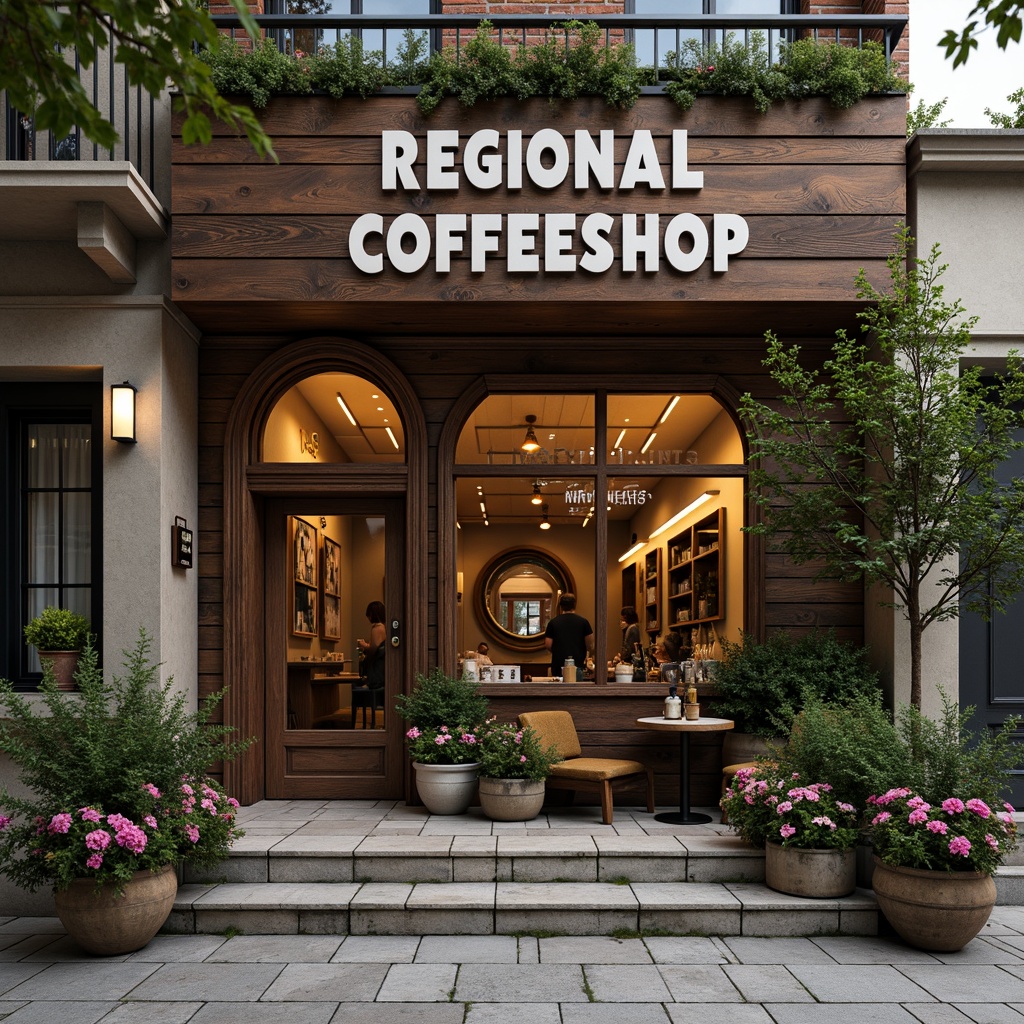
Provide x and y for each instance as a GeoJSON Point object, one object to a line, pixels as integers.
{"type": "Point", "coordinates": [244, 573]}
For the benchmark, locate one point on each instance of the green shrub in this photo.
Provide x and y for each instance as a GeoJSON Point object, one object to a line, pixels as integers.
{"type": "Point", "coordinates": [439, 699]}
{"type": "Point", "coordinates": [762, 686]}
{"type": "Point", "coordinates": [57, 629]}
{"type": "Point", "coordinates": [851, 744]}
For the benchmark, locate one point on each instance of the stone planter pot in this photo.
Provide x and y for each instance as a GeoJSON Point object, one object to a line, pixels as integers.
{"type": "Point", "coordinates": [63, 664]}
{"type": "Point", "coordinates": [934, 910]}
{"type": "Point", "coordinates": [821, 874]}
{"type": "Point", "coordinates": [104, 923]}
{"type": "Point", "coordinates": [446, 788]}
{"type": "Point", "coordinates": [511, 799]}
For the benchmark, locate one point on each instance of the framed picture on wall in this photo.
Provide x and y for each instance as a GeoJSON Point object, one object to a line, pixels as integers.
{"type": "Point", "coordinates": [304, 608]}
{"type": "Point", "coordinates": [304, 552]}
{"type": "Point", "coordinates": [305, 565]}
{"type": "Point", "coordinates": [331, 619]}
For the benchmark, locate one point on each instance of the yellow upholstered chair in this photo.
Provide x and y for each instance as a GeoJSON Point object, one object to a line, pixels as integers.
{"type": "Point", "coordinates": [556, 728]}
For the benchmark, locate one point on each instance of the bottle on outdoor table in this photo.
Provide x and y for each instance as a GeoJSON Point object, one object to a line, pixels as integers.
{"type": "Point", "coordinates": [673, 705]}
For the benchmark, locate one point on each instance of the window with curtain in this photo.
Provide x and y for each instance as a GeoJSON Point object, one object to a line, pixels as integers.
{"type": "Point", "coordinates": [51, 555]}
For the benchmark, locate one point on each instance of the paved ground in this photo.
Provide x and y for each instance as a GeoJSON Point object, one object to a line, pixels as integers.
{"type": "Point", "coordinates": [305, 979]}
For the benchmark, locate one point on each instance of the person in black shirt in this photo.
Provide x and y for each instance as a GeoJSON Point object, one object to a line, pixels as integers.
{"type": "Point", "coordinates": [568, 635]}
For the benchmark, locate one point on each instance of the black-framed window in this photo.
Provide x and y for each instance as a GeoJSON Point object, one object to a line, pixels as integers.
{"type": "Point", "coordinates": [51, 436]}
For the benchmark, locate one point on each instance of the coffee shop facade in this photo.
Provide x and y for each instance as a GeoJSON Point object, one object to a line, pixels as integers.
{"type": "Point", "coordinates": [387, 314]}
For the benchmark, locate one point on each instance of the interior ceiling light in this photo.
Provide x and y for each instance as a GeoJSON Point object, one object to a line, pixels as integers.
{"type": "Point", "coordinates": [648, 442]}
{"type": "Point", "coordinates": [618, 440]}
{"type": "Point", "coordinates": [394, 440]}
{"type": "Point", "coordinates": [632, 551]}
{"type": "Point", "coordinates": [345, 410]}
{"type": "Point", "coordinates": [668, 410]}
{"type": "Point", "coordinates": [544, 524]}
{"type": "Point", "coordinates": [695, 504]}
{"type": "Point", "coordinates": [536, 499]}
{"type": "Point", "coordinates": [530, 443]}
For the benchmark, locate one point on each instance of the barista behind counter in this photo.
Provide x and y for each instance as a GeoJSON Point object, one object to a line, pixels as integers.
{"type": "Point", "coordinates": [570, 639]}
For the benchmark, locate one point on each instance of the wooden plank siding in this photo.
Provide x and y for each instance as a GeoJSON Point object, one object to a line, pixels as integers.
{"type": "Point", "coordinates": [259, 262]}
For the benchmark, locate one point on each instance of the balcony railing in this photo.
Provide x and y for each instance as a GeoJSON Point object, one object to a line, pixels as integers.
{"type": "Point", "coordinates": [138, 118]}
{"type": "Point", "coordinates": [652, 35]}
{"type": "Point", "coordinates": [130, 109]}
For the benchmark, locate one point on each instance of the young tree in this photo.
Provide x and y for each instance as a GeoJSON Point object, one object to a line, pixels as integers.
{"type": "Point", "coordinates": [1002, 15]}
{"type": "Point", "coordinates": [883, 464]}
{"type": "Point", "coordinates": [154, 40]}
{"type": "Point", "coordinates": [1014, 120]}
{"type": "Point", "coordinates": [926, 115]}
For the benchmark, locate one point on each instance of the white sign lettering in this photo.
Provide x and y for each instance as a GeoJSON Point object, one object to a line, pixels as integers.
{"type": "Point", "coordinates": [535, 242]}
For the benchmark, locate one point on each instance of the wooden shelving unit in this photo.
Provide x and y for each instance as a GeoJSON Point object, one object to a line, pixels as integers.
{"type": "Point", "coordinates": [652, 591]}
{"type": "Point", "coordinates": [695, 578]}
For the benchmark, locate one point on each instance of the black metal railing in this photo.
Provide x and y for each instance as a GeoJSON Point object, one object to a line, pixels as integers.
{"type": "Point", "coordinates": [651, 34]}
{"type": "Point", "coordinates": [130, 109]}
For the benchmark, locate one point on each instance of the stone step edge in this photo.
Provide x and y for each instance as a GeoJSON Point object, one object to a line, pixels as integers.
{"type": "Point", "coordinates": [513, 908]}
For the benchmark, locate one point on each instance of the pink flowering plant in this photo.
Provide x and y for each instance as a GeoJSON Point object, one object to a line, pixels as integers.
{"type": "Point", "coordinates": [115, 776]}
{"type": "Point", "coordinates": [766, 804]}
{"type": "Point", "coordinates": [507, 751]}
{"type": "Point", "coordinates": [444, 715]}
{"type": "Point", "coordinates": [952, 834]}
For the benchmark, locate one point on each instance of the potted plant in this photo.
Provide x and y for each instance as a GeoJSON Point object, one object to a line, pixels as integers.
{"type": "Point", "coordinates": [809, 835]}
{"type": "Point", "coordinates": [934, 865]}
{"type": "Point", "coordinates": [762, 685]}
{"type": "Point", "coordinates": [444, 713]}
{"type": "Point", "coordinates": [513, 768]}
{"type": "Point", "coordinates": [119, 797]}
{"type": "Point", "coordinates": [59, 636]}
{"type": "Point", "coordinates": [938, 838]}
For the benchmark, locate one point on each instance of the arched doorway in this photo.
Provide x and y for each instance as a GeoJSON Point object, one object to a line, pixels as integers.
{"type": "Point", "coordinates": [324, 513]}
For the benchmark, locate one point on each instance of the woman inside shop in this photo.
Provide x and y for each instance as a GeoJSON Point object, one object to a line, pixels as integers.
{"type": "Point", "coordinates": [629, 622]}
{"type": "Point", "coordinates": [371, 666]}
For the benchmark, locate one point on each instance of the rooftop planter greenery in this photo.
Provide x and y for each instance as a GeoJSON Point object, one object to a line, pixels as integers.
{"type": "Point", "coordinates": [572, 62]}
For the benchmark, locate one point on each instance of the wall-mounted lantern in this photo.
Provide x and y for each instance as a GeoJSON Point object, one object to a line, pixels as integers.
{"type": "Point", "coordinates": [122, 413]}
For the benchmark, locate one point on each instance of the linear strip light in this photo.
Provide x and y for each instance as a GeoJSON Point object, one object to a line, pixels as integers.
{"type": "Point", "coordinates": [647, 444]}
{"type": "Point", "coordinates": [693, 506]}
{"type": "Point", "coordinates": [668, 410]}
{"type": "Point", "coordinates": [633, 550]}
{"type": "Point", "coordinates": [618, 440]}
{"type": "Point", "coordinates": [345, 410]}
{"type": "Point", "coordinates": [394, 440]}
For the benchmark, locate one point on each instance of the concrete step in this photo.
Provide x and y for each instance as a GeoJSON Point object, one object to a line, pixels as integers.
{"type": "Point", "coordinates": [505, 908]}
{"type": "Point", "coordinates": [489, 858]}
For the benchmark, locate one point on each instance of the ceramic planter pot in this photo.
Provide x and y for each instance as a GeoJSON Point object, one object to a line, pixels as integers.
{"type": "Point", "coordinates": [446, 788]}
{"type": "Point", "coordinates": [511, 799]}
{"type": "Point", "coordinates": [64, 664]}
{"type": "Point", "coordinates": [934, 910]}
{"type": "Point", "coordinates": [104, 923]}
{"type": "Point", "coordinates": [821, 874]}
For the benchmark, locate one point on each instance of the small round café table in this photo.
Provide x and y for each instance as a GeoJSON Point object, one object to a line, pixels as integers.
{"type": "Point", "coordinates": [683, 726]}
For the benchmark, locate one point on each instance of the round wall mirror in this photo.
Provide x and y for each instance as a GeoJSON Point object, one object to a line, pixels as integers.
{"type": "Point", "coordinates": [517, 592]}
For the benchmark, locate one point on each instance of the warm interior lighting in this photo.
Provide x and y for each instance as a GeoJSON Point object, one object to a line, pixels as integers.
{"type": "Point", "coordinates": [544, 524]}
{"type": "Point", "coordinates": [618, 440]}
{"type": "Point", "coordinates": [530, 443]}
{"type": "Point", "coordinates": [695, 504]}
{"type": "Point", "coordinates": [394, 440]}
{"type": "Point", "coordinates": [647, 444]}
{"type": "Point", "coordinates": [536, 499]}
{"type": "Point", "coordinates": [668, 410]}
{"type": "Point", "coordinates": [633, 550]}
{"type": "Point", "coordinates": [345, 410]}
{"type": "Point", "coordinates": [122, 413]}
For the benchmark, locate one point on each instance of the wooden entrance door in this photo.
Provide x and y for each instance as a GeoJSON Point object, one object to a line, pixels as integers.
{"type": "Point", "coordinates": [328, 734]}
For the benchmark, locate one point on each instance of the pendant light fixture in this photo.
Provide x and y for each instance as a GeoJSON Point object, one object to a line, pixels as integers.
{"type": "Point", "coordinates": [544, 524]}
{"type": "Point", "coordinates": [530, 443]}
{"type": "Point", "coordinates": [536, 499]}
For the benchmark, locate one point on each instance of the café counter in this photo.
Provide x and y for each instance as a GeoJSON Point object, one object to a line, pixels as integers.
{"type": "Point", "coordinates": [605, 716]}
